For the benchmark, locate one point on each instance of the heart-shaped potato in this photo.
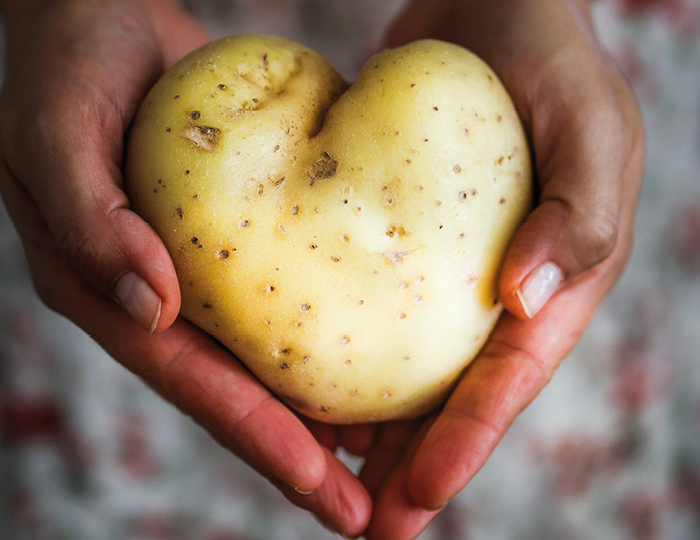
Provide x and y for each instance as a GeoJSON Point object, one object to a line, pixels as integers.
{"type": "Point", "coordinates": [344, 243]}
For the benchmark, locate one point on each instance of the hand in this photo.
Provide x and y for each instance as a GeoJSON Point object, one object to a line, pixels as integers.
{"type": "Point", "coordinates": [76, 72]}
{"type": "Point", "coordinates": [587, 138]}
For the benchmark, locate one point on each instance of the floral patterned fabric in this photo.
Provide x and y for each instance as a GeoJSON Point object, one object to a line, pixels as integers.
{"type": "Point", "coordinates": [610, 450]}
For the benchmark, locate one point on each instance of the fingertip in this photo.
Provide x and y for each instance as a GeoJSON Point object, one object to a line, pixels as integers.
{"type": "Point", "coordinates": [340, 503]}
{"type": "Point", "coordinates": [422, 489]}
{"type": "Point", "coordinates": [151, 277]}
{"type": "Point", "coordinates": [532, 272]}
{"type": "Point", "coordinates": [358, 439]}
{"type": "Point", "coordinates": [306, 466]}
{"type": "Point", "coordinates": [139, 300]}
{"type": "Point", "coordinates": [314, 471]}
{"type": "Point", "coordinates": [396, 514]}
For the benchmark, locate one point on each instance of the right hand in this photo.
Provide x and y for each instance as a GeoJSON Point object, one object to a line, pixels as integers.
{"type": "Point", "coordinates": [76, 72]}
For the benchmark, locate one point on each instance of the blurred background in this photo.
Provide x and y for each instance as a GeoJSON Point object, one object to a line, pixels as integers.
{"type": "Point", "coordinates": [610, 450]}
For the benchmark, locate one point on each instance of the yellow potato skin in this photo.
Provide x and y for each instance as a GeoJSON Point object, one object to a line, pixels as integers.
{"type": "Point", "coordinates": [343, 243]}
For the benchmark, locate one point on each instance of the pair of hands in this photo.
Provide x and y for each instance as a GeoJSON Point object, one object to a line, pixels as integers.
{"type": "Point", "coordinates": [76, 72]}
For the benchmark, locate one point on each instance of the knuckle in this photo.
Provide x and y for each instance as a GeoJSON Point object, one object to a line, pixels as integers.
{"type": "Point", "coordinates": [600, 237]}
{"type": "Point", "coordinates": [76, 244]}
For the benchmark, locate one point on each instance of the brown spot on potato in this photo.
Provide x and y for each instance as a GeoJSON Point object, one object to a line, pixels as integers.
{"type": "Point", "coordinates": [304, 307]}
{"type": "Point", "coordinates": [180, 213]}
{"type": "Point", "coordinates": [203, 137]}
{"type": "Point", "coordinates": [207, 305]}
{"type": "Point", "coordinates": [222, 87]}
{"type": "Point", "coordinates": [502, 201]}
{"type": "Point", "coordinates": [463, 195]}
{"type": "Point", "coordinates": [394, 230]}
{"type": "Point", "coordinates": [295, 210]}
{"type": "Point", "coordinates": [457, 168]}
{"type": "Point", "coordinates": [325, 167]}
{"type": "Point", "coordinates": [195, 239]}
{"type": "Point", "coordinates": [244, 224]}
{"type": "Point", "coordinates": [223, 254]}
{"type": "Point", "coordinates": [195, 115]}
{"type": "Point", "coordinates": [284, 365]}
{"type": "Point", "coordinates": [344, 340]}
{"type": "Point", "coordinates": [269, 288]}
{"type": "Point", "coordinates": [335, 259]}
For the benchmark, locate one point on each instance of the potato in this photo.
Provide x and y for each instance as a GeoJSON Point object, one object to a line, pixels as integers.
{"type": "Point", "coordinates": [344, 243]}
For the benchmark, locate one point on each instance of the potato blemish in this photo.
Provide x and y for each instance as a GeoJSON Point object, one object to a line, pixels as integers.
{"type": "Point", "coordinates": [204, 137]}
{"type": "Point", "coordinates": [325, 167]}
{"type": "Point", "coordinates": [396, 257]}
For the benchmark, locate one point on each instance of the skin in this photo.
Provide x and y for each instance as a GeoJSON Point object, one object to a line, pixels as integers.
{"type": "Point", "coordinates": [76, 72]}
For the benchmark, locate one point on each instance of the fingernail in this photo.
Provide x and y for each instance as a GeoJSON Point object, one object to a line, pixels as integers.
{"type": "Point", "coordinates": [538, 288]}
{"type": "Point", "coordinates": [303, 492]}
{"type": "Point", "coordinates": [139, 300]}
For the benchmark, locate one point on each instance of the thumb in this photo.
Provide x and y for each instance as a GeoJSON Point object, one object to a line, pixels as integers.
{"type": "Point", "coordinates": [588, 152]}
{"type": "Point", "coordinates": [112, 248]}
{"type": "Point", "coordinates": [71, 173]}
